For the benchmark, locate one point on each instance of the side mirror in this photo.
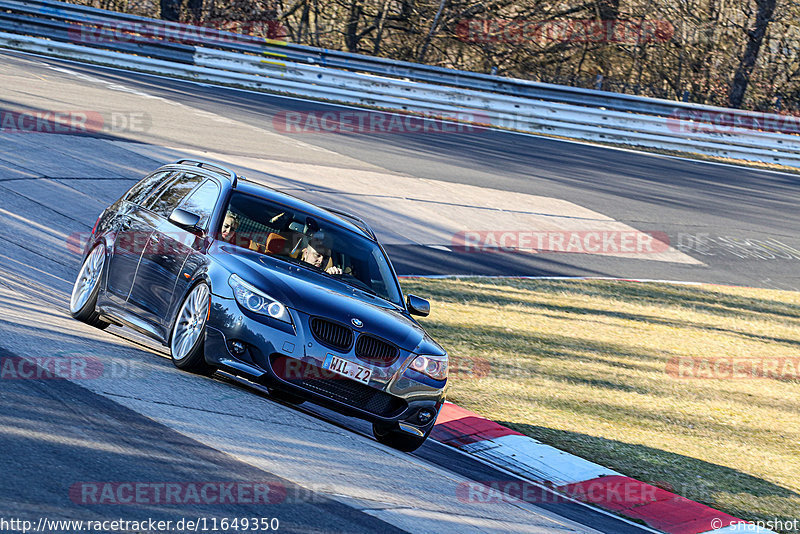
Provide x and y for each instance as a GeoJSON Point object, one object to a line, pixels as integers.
{"type": "Point", "coordinates": [186, 220]}
{"type": "Point", "coordinates": [418, 306]}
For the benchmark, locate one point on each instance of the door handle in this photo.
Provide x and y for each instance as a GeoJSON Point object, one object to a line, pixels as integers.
{"type": "Point", "coordinates": [154, 238]}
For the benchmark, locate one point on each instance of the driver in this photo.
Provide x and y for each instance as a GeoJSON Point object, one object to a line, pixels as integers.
{"type": "Point", "coordinates": [317, 254]}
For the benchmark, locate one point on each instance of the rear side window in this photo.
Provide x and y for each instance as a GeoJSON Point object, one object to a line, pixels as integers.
{"type": "Point", "coordinates": [168, 199]}
{"type": "Point", "coordinates": [202, 201]}
{"type": "Point", "coordinates": [139, 192]}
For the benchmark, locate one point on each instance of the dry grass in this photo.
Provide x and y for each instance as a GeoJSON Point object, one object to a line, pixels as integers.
{"type": "Point", "coordinates": [582, 365]}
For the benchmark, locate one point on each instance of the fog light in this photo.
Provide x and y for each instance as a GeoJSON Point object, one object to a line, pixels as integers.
{"type": "Point", "coordinates": [424, 416]}
{"type": "Point", "coordinates": [237, 348]}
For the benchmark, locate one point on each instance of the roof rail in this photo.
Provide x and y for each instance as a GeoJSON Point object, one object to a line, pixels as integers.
{"type": "Point", "coordinates": [359, 222]}
{"type": "Point", "coordinates": [213, 166]}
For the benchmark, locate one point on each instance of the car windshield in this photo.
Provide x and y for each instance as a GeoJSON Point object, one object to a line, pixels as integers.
{"type": "Point", "coordinates": [278, 231]}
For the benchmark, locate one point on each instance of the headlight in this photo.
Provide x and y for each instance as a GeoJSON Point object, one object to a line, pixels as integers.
{"type": "Point", "coordinates": [432, 366]}
{"type": "Point", "coordinates": [256, 301]}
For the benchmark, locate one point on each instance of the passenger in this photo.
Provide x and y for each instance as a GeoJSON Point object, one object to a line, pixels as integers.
{"type": "Point", "coordinates": [317, 254]}
{"type": "Point", "coordinates": [229, 226]}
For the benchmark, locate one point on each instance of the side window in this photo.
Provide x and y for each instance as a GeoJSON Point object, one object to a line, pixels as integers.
{"type": "Point", "coordinates": [202, 201]}
{"type": "Point", "coordinates": [139, 192]}
{"type": "Point", "coordinates": [168, 199]}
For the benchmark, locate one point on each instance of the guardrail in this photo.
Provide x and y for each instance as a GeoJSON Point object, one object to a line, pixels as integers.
{"type": "Point", "coordinates": [168, 48]}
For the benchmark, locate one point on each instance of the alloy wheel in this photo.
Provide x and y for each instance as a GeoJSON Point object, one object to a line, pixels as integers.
{"type": "Point", "coordinates": [87, 280]}
{"type": "Point", "coordinates": [190, 322]}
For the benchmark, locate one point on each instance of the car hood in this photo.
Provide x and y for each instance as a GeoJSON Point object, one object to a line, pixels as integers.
{"type": "Point", "coordinates": [316, 294]}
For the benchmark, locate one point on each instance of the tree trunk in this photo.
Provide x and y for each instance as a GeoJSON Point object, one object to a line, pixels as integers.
{"type": "Point", "coordinates": [171, 10]}
{"type": "Point", "coordinates": [608, 9]}
{"type": "Point", "coordinates": [755, 37]}
{"type": "Point", "coordinates": [305, 23]}
{"type": "Point", "coordinates": [608, 14]}
{"type": "Point", "coordinates": [376, 46]}
{"type": "Point", "coordinates": [426, 44]}
{"type": "Point", "coordinates": [351, 37]}
{"type": "Point", "coordinates": [195, 8]}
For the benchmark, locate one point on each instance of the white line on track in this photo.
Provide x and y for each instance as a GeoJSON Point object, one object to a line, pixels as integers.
{"type": "Point", "coordinates": [607, 278]}
{"type": "Point", "coordinates": [524, 277]}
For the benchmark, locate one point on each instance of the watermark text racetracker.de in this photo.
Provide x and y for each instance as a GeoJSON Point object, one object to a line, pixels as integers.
{"type": "Point", "coordinates": [118, 32]}
{"type": "Point", "coordinates": [622, 493]}
{"type": "Point", "coordinates": [183, 493]}
{"type": "Point", "coordinates": [463, 368]}
{"type": "Point", "coordinates": [69, 366]}
{"type": "Point", "coordinates": [580, 242]}
{"type": "Point", "coordinates": [354, 121]}
{"type": "Point", "coordinates": [628, 241]}
{"type": "Point", "coordinates": [177, 493]}
{"type": "Point", "coordinates": [569, 30]}
{"type": "Point", "coordinates": [74, 122]}
{"type": "Point", "coordinates": [731, 122]}
{"type": "Point", "coordinates": [727, 368]}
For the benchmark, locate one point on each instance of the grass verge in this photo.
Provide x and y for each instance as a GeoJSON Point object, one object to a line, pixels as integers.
{"type": "Point", "coordinates": [601, 369]}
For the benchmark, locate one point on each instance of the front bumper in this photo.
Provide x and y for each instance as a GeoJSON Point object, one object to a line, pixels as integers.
{"type": "Point", "coordinates": [288, 357]}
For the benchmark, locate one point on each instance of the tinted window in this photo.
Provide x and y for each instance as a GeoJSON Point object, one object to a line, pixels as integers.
{"type": "Point", "coordinates": [202, 201]}
{"type": "Point", "coordinates": [140, 191]}
{"type": "Point", "coordinates": [297, 237]}
{"type": "Point", "coordinates": [168, 199]}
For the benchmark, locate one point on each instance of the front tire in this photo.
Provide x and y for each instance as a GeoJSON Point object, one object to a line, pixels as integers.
{"type": "Point", "coordinates": [83, 301]}
{"type": "Point", "coordinates": [397, 439]}
{"type": "Point", "coordinates": [187, 338]}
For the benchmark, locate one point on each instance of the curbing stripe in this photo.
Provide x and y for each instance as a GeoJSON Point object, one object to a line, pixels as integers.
{"type": "Point", "coordinates": [577, 477]}
{"type": "Point", "coordinates": [617, 492]}
{"type": "Point", "coordinates": [538, 461]}
{"type": "Point", "coordinates": [458, 427]}
{"type": "Point", "coordinates": [502, 446]}
{"type": "Point", "coordinates": [657, 507]}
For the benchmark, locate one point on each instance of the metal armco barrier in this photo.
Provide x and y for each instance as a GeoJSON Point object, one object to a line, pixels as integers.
{"type": "Point", "coordinates": [204, 54]}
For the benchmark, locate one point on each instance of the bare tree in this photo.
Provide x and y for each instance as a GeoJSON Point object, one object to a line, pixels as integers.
{"type": "Point", "coordinates": [721, 52]}
{"type": "Point", "coordinates": [427, 42]}
{"type": "Point", "coordinates": [755, 37]}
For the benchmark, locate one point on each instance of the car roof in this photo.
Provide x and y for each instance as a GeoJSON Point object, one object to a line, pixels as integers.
{"type": "Point", "coordinates": [240, 183]}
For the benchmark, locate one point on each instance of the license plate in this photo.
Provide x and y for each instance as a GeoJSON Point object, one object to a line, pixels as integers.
{"type": "Point", "coordinates": [347, 368]}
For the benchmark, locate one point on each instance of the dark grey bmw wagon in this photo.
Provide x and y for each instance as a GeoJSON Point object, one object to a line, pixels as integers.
{"type": "Point", "coordinates": [233, 275]}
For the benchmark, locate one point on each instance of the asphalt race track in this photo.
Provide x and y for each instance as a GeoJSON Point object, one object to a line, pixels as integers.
{"type": "Point", "coordinates": [139, 420]}
{"type": "Point", "coordinates": [708, 211]}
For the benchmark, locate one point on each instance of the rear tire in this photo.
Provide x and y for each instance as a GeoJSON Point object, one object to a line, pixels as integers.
{"type": "Point", "coordinates": [397, 439]}
{"type": "Point", "coordinates": [83, 300]}
{"type": "Point", "coordinates": [187, 338]}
